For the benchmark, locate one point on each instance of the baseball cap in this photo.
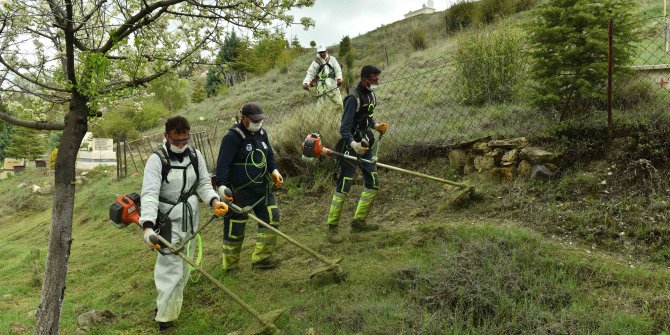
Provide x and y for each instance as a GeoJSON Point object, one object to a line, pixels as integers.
{"type": "Point", "coordinates": [253, 111]}
{"type": "Point", "coordinates": [320, 48]}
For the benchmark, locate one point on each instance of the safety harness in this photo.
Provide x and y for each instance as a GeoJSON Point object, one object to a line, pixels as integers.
{"type": "Point", "coordinates": [249, 160]}
{"type": "Point", "coordinates": [187, 210]}
{"type": "Point", "coordinates": [320, 73]}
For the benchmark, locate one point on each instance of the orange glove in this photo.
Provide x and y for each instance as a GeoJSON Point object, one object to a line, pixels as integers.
{"type": "Point", "coordinates": [382, 127]}
{"type": "Point", "coordinates": [220, 208]}
{"type": "Point", "coordinates": [339, 82]}
{"type": "Point", "coordinates": [276, 176]}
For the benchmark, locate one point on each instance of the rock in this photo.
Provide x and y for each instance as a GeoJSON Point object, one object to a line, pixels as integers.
{"type": "Point", "coordinates": [457, 160]}
{"type": "Point", "coordinates": [83, 330]}
{"type": "Point", "coordinates": [524, 169]}
{"type": "Point", "coordinates": [95, 317]}
{"type": "Point", "coordinates": [537, 155]}
{"type": "Point", "coordinates": [31, 314]}
{"type": "Point", "coordinates": [540, 172]}
{"type": "Point", "coordinates": [35, 188]}
{"type": "Point", "coordinates": [469, 167]}
{"type": "Point", "coordinates": [510, 158]}
{"type": "Point", "coordinates": [45, 190]}
{"type": "Point", "coordinates": [512, 143]}
{"type": "Point", "coordinates": [309, 331]}
{"type": "Point", "coordinates": [483, 163]}
{"type": "Point", "coordinates": [6, 296]}
{"type": "Point", "coordinates": [21, 185]}
{"type": "Point", "coordinates": [84, 173]}
{"type": "Point", "coordinates": [481, 147]}
{"type": "Point", "coordinates": [237, 332]}
{"type": "Point", "coordinates": [15, 328]}
{"type": "Point", "coordinates": [506, 173]}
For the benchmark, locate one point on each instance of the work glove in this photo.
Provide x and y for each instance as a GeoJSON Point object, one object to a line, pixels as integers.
{"type": "Point", "coordinates": [305, 86]}
{"type": "Point", "coordinates": [339, 82]}
{"type": "Point", "coordinates": [382, 127]}
{"type": "Point", "coordinates": [360, 149]}
{"type": "Point", "coordinates": [225, 193]}
{"type": "Point", "coordinates": [220, 208]}
{"type": "Point", "coordinates": [276, 176]}
{"type": "Point", "coordinates": [148, 233]}
{"type": "Point", "coordinates": [313, 82]}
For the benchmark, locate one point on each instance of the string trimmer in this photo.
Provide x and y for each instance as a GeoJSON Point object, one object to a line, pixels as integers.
{"type": "Point", "coordinates": [126, 211]}
{"type": "Point", "coordinates": [312, 149]}
{"type": "Point", "coordinates": [332, 266]}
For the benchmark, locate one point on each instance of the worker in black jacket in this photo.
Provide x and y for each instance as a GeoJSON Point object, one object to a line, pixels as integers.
{"type": "Point", "coordinates": [356, 139]}
{"type": "Point", "coordinates": [246, 165]}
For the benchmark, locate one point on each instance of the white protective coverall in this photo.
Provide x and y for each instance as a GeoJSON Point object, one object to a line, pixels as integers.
{"type": "Point", "coordinates": [325, 84]}
{"type": "Point", "coordinates": [171, 273]}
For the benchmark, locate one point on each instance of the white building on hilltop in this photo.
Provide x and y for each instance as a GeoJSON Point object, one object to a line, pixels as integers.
{"type": "Point", "coordinates": [426, 9]}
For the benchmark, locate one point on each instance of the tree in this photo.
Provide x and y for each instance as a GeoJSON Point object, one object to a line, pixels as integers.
{"type": "Point", "coordinates": [25, 143]}
{"type": "Point", "coordinates": [295, 43]}
{"type": "Point", "coordinates": [569, 44]}
{"type": "Point", "coordinates": [312, 44]}
{"type": "Point", "coordinates": [225, 70]}
{"type": "Point", "coordinates": [5, 132]}
{"type": "Point", "coordinates": [82, 52]}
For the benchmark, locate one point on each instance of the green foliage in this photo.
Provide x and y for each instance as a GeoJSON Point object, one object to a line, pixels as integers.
{"type": "Point", "coordinates": [295, 43]}
{"type": "Point", "coordinates": [417, 37]}
{"type": "Point", "coordinates": [54, 138]}
{"type": "Point", "coordinates": [5, 132]}
{"type": "Point", "coordinates": [569, 44]}
{"type": "Point", "coordinates": [150, 114]}
{"type": "Point", "coordinates": [198, 94]}
{"type": "Point", "coordinates": [460, 15]}
{"type": "Point", "coordinates": [52, 158]}
{"type": "Point", "coordinates": [345, 47]}
{"type": "Point", "coordinates": [25, 143]}
{"type": "Point", "coordinates": [171, 91]}
{"type": "Point", "coordinates": [226, 58]}
{"type": "Point", "coordinates": [490, 10]}
{"type": "Point", "coordinates": [312, 44]}
{"type": "Point", "coordinates": [499, 71]}
{"type": "Point", "coordinates": [636, 95]}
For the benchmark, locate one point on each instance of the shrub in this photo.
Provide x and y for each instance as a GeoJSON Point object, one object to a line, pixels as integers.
{"type": "Point", "coordinates": [499, 71]}
{"type": "Point", "coordinates": [52, 158]}
{"type": "Point", "coordinates": [460, 16]}
{"type": "Point", "coordinates": [418, 39]}
{"type": "Point", "coordinates": [634, 95]}
{"type": "Point", "coordinates": [490, 10]}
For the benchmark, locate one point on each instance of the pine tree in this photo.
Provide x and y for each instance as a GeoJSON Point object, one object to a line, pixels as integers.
{"type": "Point", "coordinates": [569, 44]}
{"type": "Point", "coordinates": [25, 143]}
{"type": "Point", "coordinates": [226, 58]}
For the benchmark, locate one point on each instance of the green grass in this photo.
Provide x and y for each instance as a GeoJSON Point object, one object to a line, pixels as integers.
{"type": "Point", "coordinates": [428, 271]}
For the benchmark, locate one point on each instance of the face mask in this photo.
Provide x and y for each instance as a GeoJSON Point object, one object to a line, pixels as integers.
{"type": "Point", "coordinates": [373, 87]}
{"type": "Point", "coordinates": [178, 150]}
{"type": "Point", "coordinates": [255, 126]}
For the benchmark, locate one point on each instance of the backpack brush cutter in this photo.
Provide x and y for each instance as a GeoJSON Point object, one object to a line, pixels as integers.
{"type": "Point", "coordinates": [126, 211]}
{"type": "Point", "coordinates": [312, 149]}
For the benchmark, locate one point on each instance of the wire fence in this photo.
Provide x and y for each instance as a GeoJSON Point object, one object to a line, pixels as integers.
{"type": "Point", "coordinates": [452, 98]}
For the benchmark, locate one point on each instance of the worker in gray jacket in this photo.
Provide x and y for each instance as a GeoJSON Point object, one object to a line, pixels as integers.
{"type": "Point", "coordinates": [325, 74]}
{"type": "Point", "coordinates": [173, 176]}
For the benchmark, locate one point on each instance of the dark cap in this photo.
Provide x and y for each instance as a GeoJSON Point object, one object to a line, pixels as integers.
{"type": "Point", "coordinates": [253, 111]}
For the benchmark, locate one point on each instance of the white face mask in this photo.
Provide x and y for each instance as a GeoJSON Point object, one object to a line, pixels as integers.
{"type": "Point", "coordinates": [255, 126]}
{"type": "Point", "coordinates": [373, 87]}
{"type": "Point", "coordinates": [178, 150]}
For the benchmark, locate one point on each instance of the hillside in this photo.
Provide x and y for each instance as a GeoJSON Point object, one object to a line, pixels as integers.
{"type": "Point", "coordinates": [568, 255]}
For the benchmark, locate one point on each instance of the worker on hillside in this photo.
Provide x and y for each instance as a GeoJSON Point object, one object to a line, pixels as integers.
{"type": "Point", "coordinates": [355, 131]}
{"type": "Point", "coordinates": [245, 165]}
{"type": "Point", "coordinates": [173, 176]}
{"type": "Point", "coordinates": [325, 74]}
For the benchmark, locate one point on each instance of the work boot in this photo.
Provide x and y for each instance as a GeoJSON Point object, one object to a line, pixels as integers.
{"type": "Point", "coordinates": [165, 326]}
{"type": "Point", "coordinates": [266, 264]}
{"type": "Point", "coordinates": [334, 236]}
{"type": "Point", "coordinates": [358, 226]}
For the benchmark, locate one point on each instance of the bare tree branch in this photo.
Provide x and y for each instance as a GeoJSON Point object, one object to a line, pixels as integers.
{"type": "Point", "coordinates": [39, 125]}
{"type": "Point", "coordinates": [35, 82]}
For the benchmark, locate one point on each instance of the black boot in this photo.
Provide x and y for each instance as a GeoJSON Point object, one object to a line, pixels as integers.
{"type": "Point", "coordinates": [165, 326]}
{"type": "Point", "coordinates": [358, 226]}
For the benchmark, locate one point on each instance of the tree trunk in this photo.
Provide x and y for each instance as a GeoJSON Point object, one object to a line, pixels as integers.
{"type": "Point", "coordinates": [60, 239]}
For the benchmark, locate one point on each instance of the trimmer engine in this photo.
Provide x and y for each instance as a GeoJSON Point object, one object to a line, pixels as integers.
{"type": "Point", "coordinates": [125, 210]}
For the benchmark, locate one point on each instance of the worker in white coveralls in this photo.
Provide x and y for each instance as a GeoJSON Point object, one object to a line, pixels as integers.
{"type": "Point", "coordinates": [173, 176]}
{"type": "Point", "coordinates": [325, 74]}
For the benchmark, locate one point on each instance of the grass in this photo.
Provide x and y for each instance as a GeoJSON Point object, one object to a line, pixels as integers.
{"type": "Point", "coordinates": [428, 271]}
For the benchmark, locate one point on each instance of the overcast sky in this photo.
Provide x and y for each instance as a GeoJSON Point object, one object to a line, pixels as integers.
{"type": "Point", "coordinates": [338, 18]}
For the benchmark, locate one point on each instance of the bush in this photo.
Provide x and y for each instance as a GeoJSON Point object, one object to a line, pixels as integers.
{"type": "Point", "coordinates": [418, 39]}
{"type": "Point", "coordinates": [460, 16]}
{"type": "Point", "coordinates": [490, 10]}
{"type": "Point", "coordinates": [500, 70]}
{"type": "Point", "coordinates": [52, 158]}
{"type": "Point", "coordinates": [634, 95]}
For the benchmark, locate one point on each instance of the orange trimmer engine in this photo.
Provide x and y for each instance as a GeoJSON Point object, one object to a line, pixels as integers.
{"type": "Point", "coordinates": [125, 210]}
{"type": "Point", "coordinates": [312, 148]}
